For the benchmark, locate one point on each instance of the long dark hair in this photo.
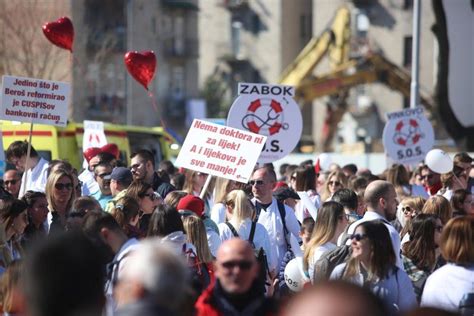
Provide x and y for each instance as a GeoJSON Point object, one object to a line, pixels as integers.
{"type": "Point", "coordinates": [382, 257]}
{"type": "Point", "coordinates": [305, 178]}
{"type": "Point", "coordinates": [421, 248]}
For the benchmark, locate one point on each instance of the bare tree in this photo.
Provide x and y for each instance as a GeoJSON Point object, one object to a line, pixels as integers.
{"type": "Point", "coordinates": [24, 50]}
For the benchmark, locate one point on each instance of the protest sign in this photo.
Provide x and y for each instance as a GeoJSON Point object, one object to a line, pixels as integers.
{"type": "Point", "coordinates": [2, 156]}
{"type": "Point", "coordinates": [220, 151]}
{"type": "Point", "coordinates": [268, 110]}
{"type": "Point", "coordinates": [408, 136]}
{"type": "Point", "coordinates": [94, 135]}
{"type": "Point", "coordinates": [34, 100]}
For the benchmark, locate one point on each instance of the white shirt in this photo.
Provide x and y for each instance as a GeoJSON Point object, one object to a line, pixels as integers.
{"type": "Point", "coordinates": [300, 210]}
{"type": "Point", "coordinates": [89, 185]}
{"type": "Point", "coordinates": [318, 252]}
{"type": "Point", "coordinates": [36, 180]}
{"type": "Point", "coordinates": [213, 240]}
{"type": "Point", "coordinates": [218, 213]}
{"type": "Point", "coordinates": [271, 220]}
{"type": "Point", "coordinates": [394, 235]}
{"type": "Point", "coordinates": [260, 239]}
{"type": "Point", "coordinates": [446, 286]}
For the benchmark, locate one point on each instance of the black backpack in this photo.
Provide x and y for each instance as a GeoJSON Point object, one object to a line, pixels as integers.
{"type": "Point", "coordinates": [259, 254]}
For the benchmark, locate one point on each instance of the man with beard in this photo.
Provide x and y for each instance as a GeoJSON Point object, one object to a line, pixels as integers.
{"type": "Point", "coordinates": [106, 233]}
{"type": "Point", "coordinates": [381, 200]}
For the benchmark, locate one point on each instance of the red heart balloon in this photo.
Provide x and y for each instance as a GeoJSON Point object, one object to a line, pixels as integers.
{"type": "Point", "coordinates": [60, 32]}
{"type": "Point", "coordinates": [141, 66]}
{"type": "Point", "coordinates": [111, 149]}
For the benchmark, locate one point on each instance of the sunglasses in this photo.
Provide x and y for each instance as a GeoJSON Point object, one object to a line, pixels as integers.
{"type": "Point", "coordinates": [243, 265]}
{"type": "Point", "coordinates": [103, 175]}
{"type": "Point", "coordinates": [439, 229]}
{"type": "Point", "coordinates": [428, 176]}
{"type": "Point", "coordinates": [335, 183]}
{"type": "Point", "coordinates": [256, 182]}
{"type": "Point", "coordinates": [12, 182]}
{"type": "Point", "coordinates": [62, 186]}
{"type": "Point", "coordinates": [358, 237]}
{"type": "Point", "coordinates": [407, 210]}
{"type": "Point", "coordinates": [152, 196]}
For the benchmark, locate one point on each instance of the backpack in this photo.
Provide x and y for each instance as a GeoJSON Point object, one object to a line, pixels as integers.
{"type": "Point", "coordinates": [329, 260]}
{"type": "Point", "coordinates": [201, 276]}
{"type": "Point", "coordinates": [260, 255]}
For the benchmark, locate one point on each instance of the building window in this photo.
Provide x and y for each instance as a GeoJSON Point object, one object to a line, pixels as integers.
{"type": "Point", "coordinates": [177, 82]}
{"type": "Point", "coordinates": [407, 4]}
{"type": "Point", "coordinates": [407, 51]}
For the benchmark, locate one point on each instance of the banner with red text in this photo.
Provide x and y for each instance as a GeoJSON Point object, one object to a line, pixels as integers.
{"type": "Point", "coordinates": [220, 151]}
{"type": "Point", "coordinates": [34, 100]}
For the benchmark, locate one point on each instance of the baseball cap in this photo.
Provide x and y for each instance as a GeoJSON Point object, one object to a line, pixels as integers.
{"type": "Point", "coordinates": [121, 174]}
{"type": "Point", "coordinates": [191, 203]}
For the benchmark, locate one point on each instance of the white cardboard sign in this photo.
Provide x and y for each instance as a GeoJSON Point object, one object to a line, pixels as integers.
{"type": "Point", "coordinates": [34, 100]}
{"type": "Point", "coordinates": [94, 135]}
{"type": "Point", "coordinates": [268, 110]}
{"type": "Point", "coordinates": [408, 136]}
{"type": "Point", "coordinates": [220, 151]}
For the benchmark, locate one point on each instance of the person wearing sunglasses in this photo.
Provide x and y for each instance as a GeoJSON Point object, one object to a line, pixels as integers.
{"type": "Point", "coordinates": [148, 200]}
{"type": "Point", "coordinates": [373, 265]}
{"type": "Point", "coordinates": [13, 220]}
{"type": "Point", "coordinates": [12, 182]}
{"type": "Point", "coordinates": [431, 180]}
{"type": "Point", "coordinates": [60, 195]}
{"type": "Point", "coordinates": [421, 252]}
{"type": "Point", "coordinates": [336, 180]}
{"type": "Point", "coordinates": [102, 172]}
{"type": "Point", "coordinates": [235, 291]}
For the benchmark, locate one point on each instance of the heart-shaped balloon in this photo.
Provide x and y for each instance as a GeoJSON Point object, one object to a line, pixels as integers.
{"type": "Point", "coordinates": [91, 152]}
{"type": "Point", "coordinates": [60, 32]}
{"type": "Point", "coordinates": [141, 65]}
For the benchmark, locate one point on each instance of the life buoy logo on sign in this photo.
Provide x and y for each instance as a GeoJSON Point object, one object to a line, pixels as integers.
{"type": "Point", "coordinates": [264, 116]}
{"type": "Point", "coordinates": [407, 132]}
{"type": "Point", "coordinates": [268, 110]}
{"type": "Point", "coordinates": [408, 136]}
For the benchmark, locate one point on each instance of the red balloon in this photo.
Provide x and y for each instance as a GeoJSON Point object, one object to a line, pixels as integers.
{"type": "Point", "coordinates": [111, 148]}
{"type": "Point", "coordinates": [60, 32]}
{"type": "Point", "coordinates": [141, 66]}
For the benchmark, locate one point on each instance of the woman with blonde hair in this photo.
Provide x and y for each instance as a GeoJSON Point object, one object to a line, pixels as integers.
{"type": "Point", "coordinates": [172, 198]}
{"type": "Point", "coordinates": [446, 286]}
{"type": "Point", "coordinates": [439, 206]}
{"type": "Point", "coordinates": [336, 180]}
{"type": "Point", "coordinates": [407, 209]}
{"type": "Point", "coordinates": [60, 195]}
{"type": "Point", "coordinates": [193, 184]}
{"type": "Point", "coordinates": [331, 222]}
{"type": "Point", "coordinates": [241, 213]}
{"type": "Point", "coordinates": [196, 234]}
{"type": "Point", "coordinates": [221, 189]}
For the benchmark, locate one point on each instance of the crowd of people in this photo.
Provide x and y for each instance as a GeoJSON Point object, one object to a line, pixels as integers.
{"type": "Point", "coordinates": [150, 239]}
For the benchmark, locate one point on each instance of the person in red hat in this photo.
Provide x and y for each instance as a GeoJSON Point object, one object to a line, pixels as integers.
{"type": "Point", "coordinates": [190, 205]}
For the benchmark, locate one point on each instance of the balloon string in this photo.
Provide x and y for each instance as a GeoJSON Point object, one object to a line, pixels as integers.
{"type": "Point", "coordinates": [153, 101]}
{"type": "Point", "coordinates": [82, 71]}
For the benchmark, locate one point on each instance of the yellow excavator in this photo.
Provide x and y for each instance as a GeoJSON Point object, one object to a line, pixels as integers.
{"type": "Point", "coordinates": [345, 72]}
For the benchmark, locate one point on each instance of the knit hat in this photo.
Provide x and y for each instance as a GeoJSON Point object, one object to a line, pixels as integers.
{"type": "Point", "coordinates": [191, 203]}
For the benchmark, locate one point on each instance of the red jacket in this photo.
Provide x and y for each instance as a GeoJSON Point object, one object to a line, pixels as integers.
{"type": "Point", "coordinates": [207, 305]}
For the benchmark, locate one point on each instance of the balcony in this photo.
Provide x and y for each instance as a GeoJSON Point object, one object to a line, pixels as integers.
{"type": "Point", "coordinates": [181, 49]}
{"type": "Point", "coordinates": [180, 4]}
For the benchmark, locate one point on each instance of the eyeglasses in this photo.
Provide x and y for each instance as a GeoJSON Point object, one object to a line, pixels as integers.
{"type": "Point", "coordinates": [62, 186]}
{"type": "Point", "coordinates": [407, 210]}
{"type": "Point", "coordinates": [256, 182]}
{"type": "Point", "coordinates": [358, 237]}
{"type": "Point", "coordinates": [427, 176]}
{"type": "Point", "coordinates": [103, 175]}
{"type": "Point", "coordinates": [152, 196]}
{"type": "Point", "coordinates": [12, 182]}
{"type": "Point", "coordinates": [243, 265]}
{"type": "Point", "coordinates": [335, 183]}
{"type": "Point", "coordinates": [439, 229]}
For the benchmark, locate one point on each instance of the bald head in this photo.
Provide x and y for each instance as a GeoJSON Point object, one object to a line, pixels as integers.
{"type": "Point", "coordinates": [375, 191]}
{"type": "Point", "coordinates": [325, 299]}
{"type": "Point", "coordinates": [236, 266]}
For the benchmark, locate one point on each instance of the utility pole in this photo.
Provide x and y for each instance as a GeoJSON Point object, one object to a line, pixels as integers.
{"type": "Point", "coordinates": [415, 67]}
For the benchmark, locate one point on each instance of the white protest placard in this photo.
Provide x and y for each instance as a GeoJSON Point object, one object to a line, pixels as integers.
{"type": "Point", "coordinates": [308, 204]}
{"type": "Point", "coordinates": [2, 156]}
{"type": "Point", "coordinates": [94, 135]}
{"type": "Point", "coordinates": [220, 151]}
{"type": "Point", "coordinates": [408, 136]}
{"type": "Point", "coordinates": [34, 100]}
{"type": "Point", "coordinates": [268, 110]}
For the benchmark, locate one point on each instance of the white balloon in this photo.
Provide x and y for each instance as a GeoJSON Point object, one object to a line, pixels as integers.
{"type": "Point", "coordinates": [324, 161]}
{"type": "Point", "coordinates": [294, 275]}
{"type": "Point", "coordinates": [439, 161]}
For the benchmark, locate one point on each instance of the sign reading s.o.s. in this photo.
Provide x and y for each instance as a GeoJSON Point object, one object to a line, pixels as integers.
{"type": "Point", "coordinates": [268, 110]}
{"type": "Point", "coordinates": [408, 136]}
